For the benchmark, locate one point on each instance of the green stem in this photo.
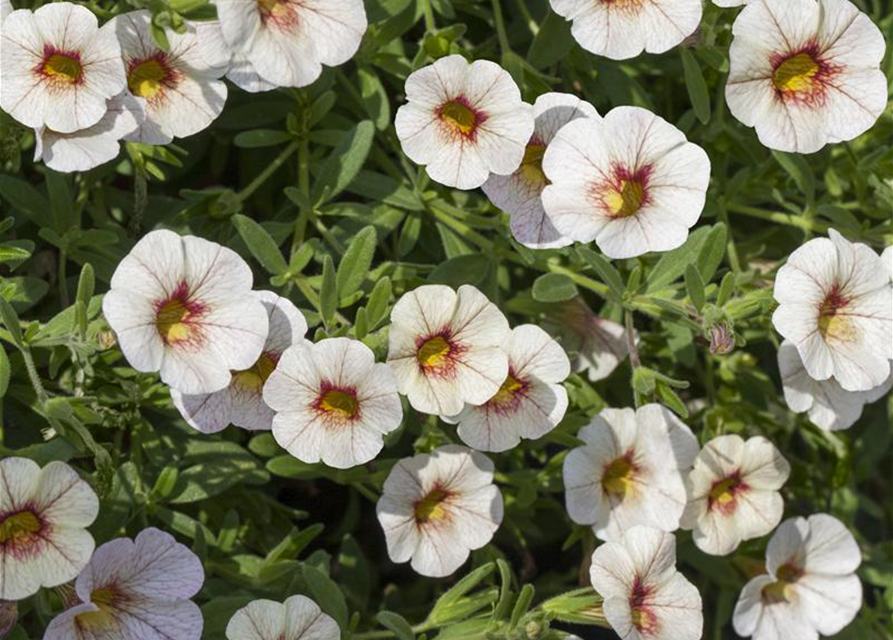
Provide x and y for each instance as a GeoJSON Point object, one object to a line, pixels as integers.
{"type": "Point", "coordinates": [140, 196]}
{"type": "Point", "coordinates": [304, 188]}
{"type": "Point", "coordinates": [264, 175]}
{"type": "Point", "coordinates": [525, 14]}
{"type": "Point", "coordinates": [634, 359]}
{"type": "Point", "coordinates": [500, 28]}
{"type": "Point", "coordinates": [430, 25]}
{"type": "Point", "coordinates": [63, 279]}
{"type": "Point", "coordinates": [597, 288]}
{"type": "Point", "coordinates": [800, 222]}
{"type": "Point", "coordinates": [732, 249]}
{"type": "Point", "coordinates": [42, 396]}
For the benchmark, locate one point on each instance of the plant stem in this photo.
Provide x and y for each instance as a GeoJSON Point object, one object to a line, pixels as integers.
{"type": "Point", "coordinates": [525, 13]}
{"type": "Point", "coordinates": [500, 28]}
{"type": "Point", "coordinates": [304, 188]}
{"type": "Point", "coordinates": [430, 25]}
{"type": "Point", "coordinates": [33, 375]}
{"type": "Point", "coordinates": [264, 175]}
{"type": "Point", "coordinates": [782, 218]}
{"type": "Point", "coordinates": [634, 359]}
{"type": "Point", "coordinates": [140, 197]}
{"type": "Point", "coordinates": [597, 288]}
{"type": "Point", "coordinates": [63, 279]}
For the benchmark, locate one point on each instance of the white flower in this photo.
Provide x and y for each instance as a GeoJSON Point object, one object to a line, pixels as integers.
{"type": "Point", "coordinates": [286, 42]}
{"type": "Point", "coordinates": [181, 87]}
{"type": "Point", "coordinates": [645, 597]}
{"type": "Point", "coordinates": [621, 30]}
{"type": "Point", "coordinates": [519, 194]}
{"type": "Point", "coordinates": [887, 259]}
{"type": "Point", "coordinates": [531, 400]}
{"type": "Point", "coordinates": [630, 181]}
{"type": "Point", "coordinates": [44, 514]}
{"type": "Point", "coordinates": [630, 471]}
{"type": "Point", "coordinates": [182, 306]}
{"type": "Point", "coordinates": [5, 9]}
{"type": "Point", "coordinates": [333, 402]}
{"type": "Point", "coordinates": [733, 493]}
{"type": "Point", "coordinates": [811, 587]}
{"type": "Point", "coordinates": [829, 405]}
{"type": "Point", "coordinates": [242, 403]}
{"type": "Point", "coordinates": [296, 619]}
{"type": "Point", "coordinates": [836, 307]}
{"type": "Point", "coordinates": [600, 345]}
{"type": "Point", "coordinates": [728, 4]}
{"type": "Point", "coordinates": [135, 589]}
{"type": "Point", "coordinates": [59, 68]}
{"type": "Point", "coordinates": [88, 148]}
{"type": "Point", "coordinates": [436, 508]}
{"type": "Point", "coordinates": [243, 74]}
{"type": "Point", "coordinates": [446, 348]}
{"type": "Point", "coordinates": [464, 121]}
{"type": "Point", "coordinates": [805, 72]}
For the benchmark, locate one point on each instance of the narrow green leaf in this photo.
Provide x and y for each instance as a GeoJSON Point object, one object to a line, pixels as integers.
{"type": "Point", "coordinates": [695, 286]}
{"type": "Point", "coordinates": [379, 299]}
{"type": "Point", "coordinates": [86, 284]}
{"type": "Point", "coordinates": [375, 98]}
{"type": "Point", "coordinates": [726, 289]}
{"type": "Point", "coordinates": [522, 605]}
{"type": "Point", "coordinates": [800, 170]}
{"type": "Point", "coordinates": [260, 244]}
{"type": "Point", "coordinates": [395, 623]}
{"type": "Point", "coordinates": [345, 162]}
{"type": "Point", "coordinates": [5, 371]}
{"type": "Point", "coordinates": [328, 291]}
{"type": "Point", "coordinates": [713, 252]}
{"type": "Point", "coordinates": [260, 138]}
{"type": "Point", "coordinates": [672, 264]}
{"type": "Point", "coordinates": [553, 287]}
{"type": "Point", "coordinates": [669, 397]}
{"type": "Point", "coordinates": [464, 585]}
{"type": "Point", "coordinates": [606, 271]}
{"type": "Point", "coordinates": [10, 253]}
{"type": "Point", "coordinates": [326, 594]}
{"type": "Point", "coordinates": [11, 321]}
{"type": "Point", "coordinates": [552, 42]}
{"type": "Point", "coordinates": [354, 266]}
{"type": "Point", "coordinates": [696, 85]}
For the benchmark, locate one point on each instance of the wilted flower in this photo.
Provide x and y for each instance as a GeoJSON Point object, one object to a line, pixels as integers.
{"type": "Point", "coordinates": [296, 618]}
{"type": "Point", "coordinates": [44, 514]}
{"type": "Point", "coordinates": [600, 345]}
{"type": "Point", "coordinates": [722, 339]}
{"type": "Point", "coordinates": [435, 508]}
{"type": "Point", "coordinates": [464, 121]}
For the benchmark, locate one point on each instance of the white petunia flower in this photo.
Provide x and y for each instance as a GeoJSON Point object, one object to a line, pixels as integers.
{"type": "Point", "coordinates": [733, 493]}
{"type": "Point", "coordinates": [829, 405]}
{"type": "Point", "coordinates": [436, 508]}
{"type": "Point", "coordinates": [645, 597]}
{"type": "Point", "coordinates": [181, 87]}
{"type": "Point", "coordinates": [629, 181]}
{"type": "Point", "coordinates": [135, 589]}
{"type": "Point", "coordinates": [5, 9]}
{"type": "Point", "coordinates": [531, 401]}
{"type": "Point", "coordinates": [630, 471]}
{"type": "Point", "coordinates": [298, 618]}
{"type": "Point", "coordinates": [287, 42]}
{"type": "Point", "coordinates": [242, 403]}
{"type": "Point", "coordinates": [91, 147]}
{"type": "Point", "coordinates": [333, 402]}
{"type": "Point", "coordinates": [811, 587]}
{"type": "Point", "coordinates": [805, 72]}
{"type": "Point", "coordinates": [623, 29]}
{"type": "Point", "coordinates": [887, 259]}
{"type": "Point", "coordinates": [836, 307]}
{"type": "Point", "coordinates": [519, 194]}
{"type": "Point", "coordinates": [44, 514]}
{"type": "Point", "coordinates": [446, 348]}
{"type": "Point", "coordinates": [600, 345]}
{"type": "Point", "coordinates": [59, 67]}
{"type": "Point", "coordinates": [728, 4]}
{"type": "Point", "coordinates": [182, 306]}
{"type": "Point", "coordinates": [464, 121]}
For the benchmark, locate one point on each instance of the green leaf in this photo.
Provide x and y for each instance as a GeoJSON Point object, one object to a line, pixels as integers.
{"type": "Point", "coordinates": [396, 623]}
{"type": "Point", "coordinates": [354, 266]}
{"type": "Point", "coordinates": [328, 291]}
{"type": "Point", "coordinates": [695, 287]}
{"type": "Point", "coordinates": [553, 287]}
{"type": "Point", "coordinates": [672, 264]}
{"type": "Point", "coordinates": [345, 162]}
{"type": "Point", "coordinates": [260, 138]}
{"type": "Point", "coordinates": [326, 594]}
{"type": "Point", "coordinates": [696, 85]}
{"type": "Point", "coordinates": [669, 397]}
{"type": "Point", "coordinates": [468, 269]}
{"type": "Point", "coordinates": [11, 321]}
{"type": "Point", "coordinates": [9, 253]}
{"type": "Point", "coordinates": [799, 169]}
{"type": "Point", "coordinates": [713, 251]}
{"type": "Point", "coordinates": [726, 289]}
{"type": "Point", "coordinates": [552, 42]}
{"type": "Point", "coordinates": [375, 98]}
{"type": "Point", "coordinates": [379, 299]}
{"type": "Point", "coordinates": [260, 244]}
{"type": "Point", "coordinates": [522, 605]}
{"type": "Point", "coordinates": [5, 371]}
{"type": "Point", "coordinates": [605, 270]}
{"type": "Point", "coordinates": [26, 199]}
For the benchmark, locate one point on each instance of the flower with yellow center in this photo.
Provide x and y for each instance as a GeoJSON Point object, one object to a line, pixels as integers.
{"type": "Point", "coordinates": [298, 617]}
{"type": "Point", "coordinates": [332, 402]}
{"type": "Point", "coordinates": [437, 507]}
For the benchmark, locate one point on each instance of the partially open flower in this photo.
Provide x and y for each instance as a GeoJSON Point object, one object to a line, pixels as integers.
{"type": "Point", "coordinates": [805, 72]}
{"type": "Point", "coordinates": [621, 29]}
{"type": "Point", "coordinates": [182, 306]}
{"type": "Point", "coordinates": [629, 181]}
{"type": "Point", "coordinates": [135, 589]}
{"type": "Point", "coordinates": [811, 587]}
{"type": "Point", "coordinates": [436, 508]}
{"type": "Point", "coordinates": [242, 403]}
{"type": "Point", "coordinates": [333, 402]}
{"type": "Point", "coordinates": [446, 348]}
{"type": "Point", "coordinates": [733, 493]}
{"type": "Point", "coordinates": [59, 67]}
{"type": "Point", "coordinates": [531, 401]}
{"type": "Point", "coordinates": [646, 598]}
{"type": "Point", "coordinates": [600, 345]}
{"type": "Point", "coordinates": [44, 514]}
{"type": "Point", "coordinates": [836, 307]}
{"type": "Point", "coordinates": [464, 121]}
{"type": "Point", "coordinates": [297, 618]}
{"type": "Point", "coordinates": [519, 194]}
{"type": "Point", "coordinates": [630, 471]}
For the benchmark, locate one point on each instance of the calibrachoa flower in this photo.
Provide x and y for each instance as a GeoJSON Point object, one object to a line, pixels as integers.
{"type": "Point", "coordinates": [182, 306]}
{"type": "Point", "coordinates": [836, 307]}
{"type": "Point", "coordinates": [600, 345]}
{"type": "Point", "coordinates": [519, 194]}
{"type": "Point", "coordinates": [446, 348]}
{"type": "Point", "coordinates": [135, 589]}
{"type": "Point", "coordinates": [811, 587]}
{"type": "Point", "coordinates": [59, 67]}
{"type": "Point", "coordinates": [531, 400]}
{"type": "Point", "coordinates": [623, 29]}
{"type": "Point", "coordinates": [805, 73]}
{"type": "Point", "coordinates": [88, 148]}
{"type": "Point", "coordinates": [630, 471]}
{"type": "Point", "coordinates": [44, 514]}
{"type": "Point", "coordinates": [181, 86]}
{"type": "Point", "coordinates": [287, 42]}
{"type": "Point", "coordinates": [464, 121]}
{"type": "Point", "coordinates": [333, 402]}
{"type": "Point", "coordinates": [629, 181]}
{"type": "Point", "coordinates": [436, 508]}
{"type": "Point", "coordinates": [5, 9]}
{"type": "Point", "coordinates": [242, 403]}
{"type": "Point", "coordinates": [733, 493]}
{"type": "Point", "coordinates": [827, 404]}
{"type": "Point", "coordinates": [297, 618]}
{"type": "Point", "coordinates": [645, 597]}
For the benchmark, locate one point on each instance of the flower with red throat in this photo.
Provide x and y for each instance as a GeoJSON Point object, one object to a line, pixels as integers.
{"type": "Point", "coordinates": [182, 306]}
{"type": "Point", "coordinates": [804, 73]}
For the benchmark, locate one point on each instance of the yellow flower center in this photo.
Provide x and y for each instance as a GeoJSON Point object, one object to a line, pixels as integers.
{"type": "Point", "coordinates": [147, 79]}
{"type": "Point", "coordinates": [724, 490]}
{"type": "Point", "coordinates": [253, 379]}
{"type": "Point", "coordinates": [618, 476]}
{"type": "Point", "coordinates": [507, 391]}
{"type": "Point", "coordinates": [339, 403]}
{"type": "Point", "coordinates": [782, 589]}
{"type": "Point", "coordinates": [104, 598]}
{"type": "Point", "coordinates": [271, 7]}
{"type": "Point", "coordinates": [626, 200]}
{"type": "Point", "coordinates": [796, 73]}
{"type": "Point", "coordinates": [458, 117]}
{"type": "Point", "coordinates": [434, 353]}
{"type": "Point", "coordinates": [172, 321]}
{"type": "Point", "coordinates": [431, 506]}
{"type": "Point", "coordinates": [63, 68]}
{"type": "Point", "coordinates": [834, 325]}
{"type": "Point", "coordinates": [19, 527]}
{"type": "Point", "coordinates": [532, 165]}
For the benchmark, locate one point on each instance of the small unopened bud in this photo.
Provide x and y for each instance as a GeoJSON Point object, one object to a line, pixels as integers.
{"type": "Point", "coordinates": [9, 615]}
{"type": "Point", "coordinates": [107, 340]}
{"type": "Point", "coordinates": [722, 339]}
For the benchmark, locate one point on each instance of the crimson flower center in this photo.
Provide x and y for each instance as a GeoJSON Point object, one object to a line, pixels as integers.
{"type": "Point", "coordinates": [63, 67]}
{"type": "Point", "coordinates": [509, 389]}
{"type": "Point", "coordinates": [431, 507]}
{"type": "Point", "coordinates": [340, 403]}
{"type": "Point", "coordinates": [833, 324]}
{"type": "Point", "coordinates": [724, 493]}
{"type": "Point", "coordinates": [796, 73]}
{"type": "Point", "coordinates": [619, 475]}
{"type": "Point", "coordinates": [626, 198]}
{"type": "Point", "coordinates": [172, 321]}
{"type": "Point", "coordinates": [146, 79]}
{"type": "Point", "coordinates": [19, 528]}
{"type": "Point", "coordinates": [459, 117]}
{"type": "Point", "coordinates": [253, 379]}
{"type": "Point", "coordinates": [434, 352]}
{"type": "Point", "coordinates": [532, 164]}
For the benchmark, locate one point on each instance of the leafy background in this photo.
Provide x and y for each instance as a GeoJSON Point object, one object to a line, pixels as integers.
{"type": "Point", "coordinates": [312, 188]}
